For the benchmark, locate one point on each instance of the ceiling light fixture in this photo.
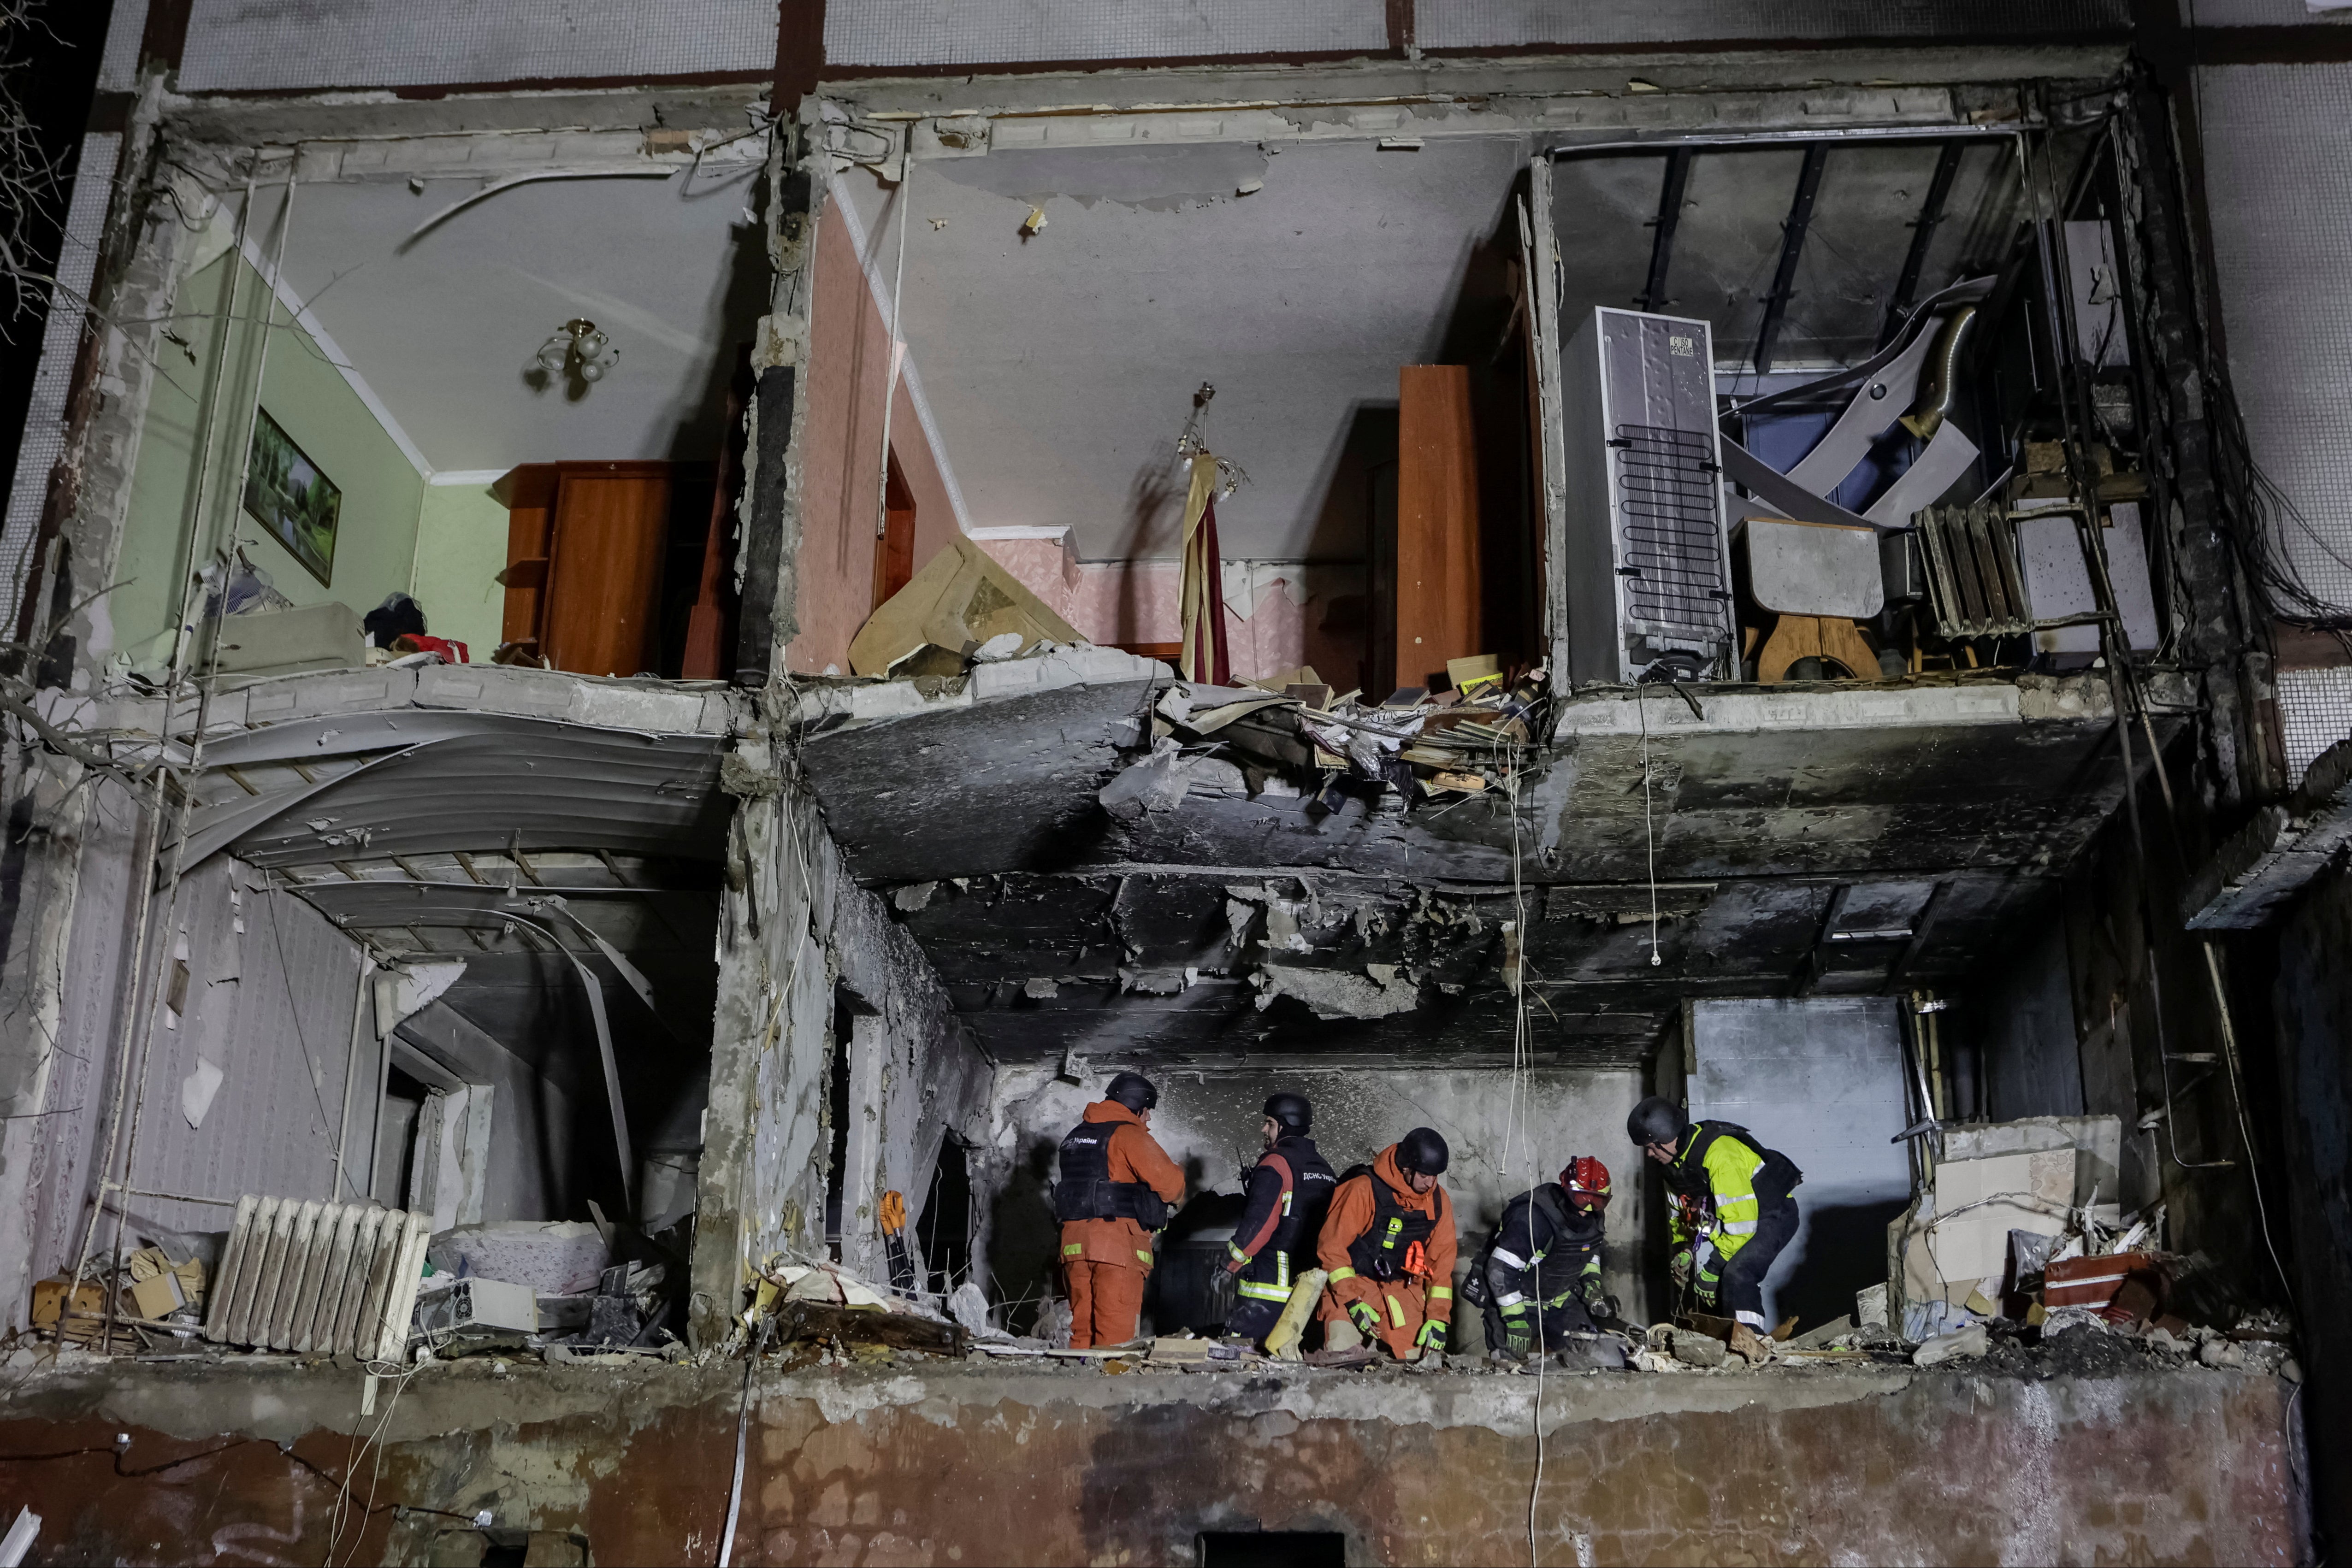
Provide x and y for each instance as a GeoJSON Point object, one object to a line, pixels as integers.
{"type": "Point", "coordinates": [580, 349]}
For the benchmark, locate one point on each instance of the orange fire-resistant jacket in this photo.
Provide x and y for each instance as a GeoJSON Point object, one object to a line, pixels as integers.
{"type": "Point", "coordinates": [1430, 1296]}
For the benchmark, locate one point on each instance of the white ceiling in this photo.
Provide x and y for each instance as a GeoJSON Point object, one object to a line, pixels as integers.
{"type": "Point", "coordinates": [444, 330]}
{"type": "Point", "coordinates": [1059, 369]}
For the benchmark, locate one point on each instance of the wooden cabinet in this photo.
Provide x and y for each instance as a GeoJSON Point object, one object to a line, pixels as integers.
{"type": "Point", "coordinates": [585, 552]}
{"type": "Point", "coordinates": [1439, 592]}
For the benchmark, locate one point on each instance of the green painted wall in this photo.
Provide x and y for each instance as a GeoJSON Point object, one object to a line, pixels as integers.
{"type": "Point", "coordinates": [382, 493]}
{"type": "Point", "coordinates": [461, 547]}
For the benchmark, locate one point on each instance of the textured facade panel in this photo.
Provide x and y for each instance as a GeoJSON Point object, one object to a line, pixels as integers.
{"type": "Point", "coordinates": [1502, 24]}
{"type": "Point", "coordinates": [2314, 713]}
{"type": "Point", "coordinates": [287, 44]}
{"type": "Point", "coordinates": [989, 32]}
{"type": "Point", "coordinates": [118, 68]}
{"type": "Point", "coordinates": [268, 1003]}
{"type": "Point", "coordinates": [2278, 181]}
{"type": "Point", "coordinates": [44, 421]}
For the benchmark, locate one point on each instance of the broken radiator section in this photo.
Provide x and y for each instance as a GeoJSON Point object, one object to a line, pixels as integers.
{"type": "Point", "coordinates": [320, 1278]}
{"type": "Point", "coordinates": [1648, 568]}
{"type": "Point", "coordinates": [1974, 586]}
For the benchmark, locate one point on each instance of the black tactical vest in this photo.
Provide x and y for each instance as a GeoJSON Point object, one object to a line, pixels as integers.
{"type": "Point", "coordinates": [1086, 1190]}
{"type": "Point", "coordinates": [1379, 1253]}
{"type": "Point", "coordinates": [1312, 1184]}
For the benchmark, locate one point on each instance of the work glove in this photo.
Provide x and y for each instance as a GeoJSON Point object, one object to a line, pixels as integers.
{"type": "Point", "coordinates": [1518, 1336]}
{"type": "Point", "coordinates": [1433, 1337]}
{"type": "Point", "coordinates": [1220, 1294]}
{"type": "Point", "coordinates": [1367, 1319]}
{"type": "Point", "coordinates": [1603, 1309]}
{"type": "Point", "coordinates": [1679, 1269]}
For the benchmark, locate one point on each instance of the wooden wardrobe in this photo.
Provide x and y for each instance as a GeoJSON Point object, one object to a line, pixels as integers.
{"type": "Point", "coordinates": [585, 543]}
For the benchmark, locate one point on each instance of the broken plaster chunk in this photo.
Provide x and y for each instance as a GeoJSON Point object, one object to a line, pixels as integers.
{"type": "Point", "coordinates": [912, 897]}
{"type": "Point", "coordinates": [1152, 982]}
{"type": "Point", "coordinates": [1249, 187]}
{"type": "Point", "coordinates": [1958, 1345]}
{"type": "Point", "coordinates": [1003, 645]}
{"type": "Point", "coordinates": [2219, 1355]}
{"type": "Point", "coordinates": [1336, 993]}
{"type": "Point", "coordinates": [1040, 988]}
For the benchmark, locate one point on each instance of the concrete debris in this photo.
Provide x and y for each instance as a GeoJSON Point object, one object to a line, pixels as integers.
{"type": "Point", "coordinates": [1041, 988]}
{"type": "Point", "coordinates": [746, 780]}
{"type": "Point", "coordinates": [913, 897]}
{"type": "Point", "coordinates": [1158, 783]}
{"type": "Point", "coordinates": [1692, 1348]}
{"type": "Point", "coordinates": [1337, 994]}
{"type": "Point", "coordinates": [968, 1304]}
{"type": "Point", "coordinates": [1962, 1344]}
{"type": "Point", "coordinates": [1820, 1338]}
{"type": "Point", "coordinates": [2219, 1354]}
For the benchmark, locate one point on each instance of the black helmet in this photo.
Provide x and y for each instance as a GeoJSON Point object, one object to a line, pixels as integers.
{"type": "Point", "coordinates": [1291, 1110]}
{"type": "Point", "coordinates": [1423, 1151]}
{"type": "Point", "coordinates": [1134, 1090]}
{"type": "Point", "coordinates": [1655, 1120]}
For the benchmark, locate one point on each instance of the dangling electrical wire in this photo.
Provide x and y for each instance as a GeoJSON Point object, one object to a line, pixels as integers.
{"type": "Point", "coordinates": [1649, 821]}
{"type": "Point", "coordinates": [1521, 1060]}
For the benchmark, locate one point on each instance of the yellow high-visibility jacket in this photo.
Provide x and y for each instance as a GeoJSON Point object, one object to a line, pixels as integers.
{"type": "Point", "coordinates": [1719, 1164]}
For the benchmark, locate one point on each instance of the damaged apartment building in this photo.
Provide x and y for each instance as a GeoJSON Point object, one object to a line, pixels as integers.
{"type": "Point", "coordinates": [647, 644]}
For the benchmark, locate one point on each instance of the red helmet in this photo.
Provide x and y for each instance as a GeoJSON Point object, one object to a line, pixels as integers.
{"type": "Point", "coordinates": [1586, 1181]}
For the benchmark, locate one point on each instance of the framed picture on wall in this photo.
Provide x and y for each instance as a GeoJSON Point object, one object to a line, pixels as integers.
{"type": "Point", "coordinates": [286, 494]}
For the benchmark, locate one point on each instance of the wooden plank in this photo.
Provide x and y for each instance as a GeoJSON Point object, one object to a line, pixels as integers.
{"type": "Point", "coordinates": [1438, 591]}
{"type": "Point", "coordinates": [604, 570]}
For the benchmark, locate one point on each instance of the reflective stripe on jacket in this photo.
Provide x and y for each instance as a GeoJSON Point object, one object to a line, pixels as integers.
{"type": "Point", "coordinates": [1721, 1162]}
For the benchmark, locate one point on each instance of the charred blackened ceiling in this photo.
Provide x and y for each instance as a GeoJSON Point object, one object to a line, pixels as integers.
{"type": "Point", "coordinates": [1847, 843]}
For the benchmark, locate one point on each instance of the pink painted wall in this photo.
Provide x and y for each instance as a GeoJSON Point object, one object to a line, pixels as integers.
{"type": "Point", "coordinates": [841, 459]}
{"type": "Point", "coordinates": [1112, 602]}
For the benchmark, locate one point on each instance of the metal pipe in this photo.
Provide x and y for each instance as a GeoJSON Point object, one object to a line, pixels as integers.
{"type": "Point", "coordinates": [897, 289]}
{"type": "Point", "coordinates": [351, 1068]}
{"type": "Point", "coordinates": [1788, 137]}
{"type": "Point", "coordinates": [128, 1041]}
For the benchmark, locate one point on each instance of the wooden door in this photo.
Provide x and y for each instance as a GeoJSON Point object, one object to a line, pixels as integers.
{"type": "Point", "coordinates": [1438, 582]}
{"type": "Point", "coordinates": [605, 567]}
{"type": "Point", "coordinates": [894, 551]}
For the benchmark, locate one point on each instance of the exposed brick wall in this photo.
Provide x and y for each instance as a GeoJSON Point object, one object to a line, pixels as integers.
{"type": "Point", "coordinates": [1074, 1466]}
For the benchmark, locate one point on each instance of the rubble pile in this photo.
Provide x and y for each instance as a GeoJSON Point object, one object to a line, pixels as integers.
{"type": "Point", "coordinates": [1292, 735]}
{"type": "Point", "coordinates": [157, 1302]}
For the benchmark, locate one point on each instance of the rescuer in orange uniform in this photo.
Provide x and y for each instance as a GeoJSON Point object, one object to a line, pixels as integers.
{"type": "Point", "coordinates": [1389, 1245]}
{"type": "Point", "coordinates": [1117, 1188]}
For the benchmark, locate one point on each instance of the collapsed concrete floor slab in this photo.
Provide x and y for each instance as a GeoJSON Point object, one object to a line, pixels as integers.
{"type": "Point", "coordinates": [922, 1462]}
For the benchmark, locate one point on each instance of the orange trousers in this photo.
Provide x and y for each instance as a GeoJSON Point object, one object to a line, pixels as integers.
{"type": "Point", "coordinates": [1105, 1299]}
{"type": "Point", "coordinates": [1404, 1306]}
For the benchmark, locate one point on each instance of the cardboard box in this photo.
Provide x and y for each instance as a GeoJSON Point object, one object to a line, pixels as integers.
{"type": "Point", "coordinates": [49, 1300]}
{"type": "Point", "coordinates": [158, 1296]}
